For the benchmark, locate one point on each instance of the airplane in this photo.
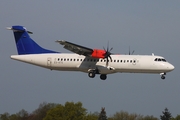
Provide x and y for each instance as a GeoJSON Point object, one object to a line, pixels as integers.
{"type": "Point", "coordinates": [83, 59]}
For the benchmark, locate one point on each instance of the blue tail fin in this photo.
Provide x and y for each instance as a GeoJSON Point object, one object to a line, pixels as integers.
{"type": "Point", "coordinates": [24, 44]}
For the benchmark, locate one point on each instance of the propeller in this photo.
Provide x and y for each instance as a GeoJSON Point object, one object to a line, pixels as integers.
{"type": "Point", "coordinates": [107, 54]}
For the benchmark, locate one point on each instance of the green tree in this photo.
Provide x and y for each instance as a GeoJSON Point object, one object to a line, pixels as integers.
{"type": "Point", "coordinates": [166, 115]}
{"type": "Point", "coordinates": [4, 116]}
{"type": "Point", "coordinates": [41, 111]}
{"type": "Point", "coordinates": [56, 113]}
{"type": "Point", "coordinates": [102, 115]}
{"type": "Point", "coordinates": [70, 111]}
{"type": "Point", "coordinates": [122, 115]}
{"type": "Point", "coordinates": [14, 117]}
{"type": "Point", "coordinates": [92, 116]}
{"type": "Point", "coordinates": [22, 115]}
{"type": "Point", "coordinates": [149, 118]}
{"type": "Point", "coordinates": [176, 118]}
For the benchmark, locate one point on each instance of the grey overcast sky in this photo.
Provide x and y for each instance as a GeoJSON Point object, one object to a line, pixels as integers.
{"type": "Point", "coordinates": [148, 26]}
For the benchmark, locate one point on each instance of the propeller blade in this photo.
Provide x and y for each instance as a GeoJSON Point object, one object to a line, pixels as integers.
{"type": "Point", "coordinates": [104, 48]}
{"type": "Point", "coordinates": [132, 52]}
{"type": "Point", "coordinates": [110, 57]}
{"type": "Point", "coordinates": [110, 49]}
{"type": "Point", "coordinates": [107, 61]}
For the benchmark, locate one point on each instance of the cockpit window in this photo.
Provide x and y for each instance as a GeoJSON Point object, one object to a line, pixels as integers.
{"type": "Point", "coordinates": [160, 59]}
{"type": "Point", "coordinates": [164, 60]}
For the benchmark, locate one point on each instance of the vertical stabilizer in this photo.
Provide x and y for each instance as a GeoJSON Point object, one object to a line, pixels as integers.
{"type": "Point", "coordinates": [24, 44]}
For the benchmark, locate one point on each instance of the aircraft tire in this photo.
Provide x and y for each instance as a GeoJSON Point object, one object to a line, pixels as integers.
{"type": "Point", "coordinates": [103, 76]}
{"type": "Point", "coordinates": [163, 77]}
{"type": "Point", "coordinates": [91, 74]}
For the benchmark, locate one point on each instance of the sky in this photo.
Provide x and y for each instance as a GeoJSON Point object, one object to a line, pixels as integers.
{"type": "Point", "coordinates": [146, 26]}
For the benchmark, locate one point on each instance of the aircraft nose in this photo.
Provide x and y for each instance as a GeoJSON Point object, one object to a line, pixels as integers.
{"type": "Point", "coordinates": [171, 67]}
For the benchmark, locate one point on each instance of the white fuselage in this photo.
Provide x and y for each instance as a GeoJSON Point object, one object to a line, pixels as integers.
{"type": "Point", "coordinates": [119, 63]}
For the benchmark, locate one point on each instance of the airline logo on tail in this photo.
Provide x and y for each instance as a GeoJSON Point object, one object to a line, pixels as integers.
{"type": "Point", "coordinates": [24, 44]}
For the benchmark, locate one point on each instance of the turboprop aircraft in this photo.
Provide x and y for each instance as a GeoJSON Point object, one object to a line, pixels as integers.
{"type": "Point", "coordinates": [91, 61]}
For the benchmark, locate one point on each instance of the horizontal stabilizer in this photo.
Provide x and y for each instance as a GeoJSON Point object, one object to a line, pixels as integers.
{"type": "Point", "coordinates": [19, 29]}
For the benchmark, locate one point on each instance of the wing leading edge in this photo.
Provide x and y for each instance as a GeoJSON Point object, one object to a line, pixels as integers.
{"type": "Point", "coordinates": [81, 50]}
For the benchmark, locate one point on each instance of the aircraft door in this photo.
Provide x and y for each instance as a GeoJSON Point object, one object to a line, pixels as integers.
{"type": "Point", "coordinates": [134, 61]}
{"type": "Point", "coordinates": [49, 61]}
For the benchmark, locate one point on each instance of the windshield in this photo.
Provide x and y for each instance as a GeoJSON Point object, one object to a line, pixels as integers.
{"type": "Point", "coordinates": [160, 59]}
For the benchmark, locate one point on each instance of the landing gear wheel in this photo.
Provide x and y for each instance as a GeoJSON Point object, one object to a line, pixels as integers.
{"type": "Point", "coordinates": [103, 76]}
{"type": "Point", "coordinates": [163, 77]}
{"type": "Point", "coordinates": [91, 74]}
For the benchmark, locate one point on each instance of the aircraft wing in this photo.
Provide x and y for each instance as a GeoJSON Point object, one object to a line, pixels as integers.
{"type": "Point", "coordinates": [81, 50]}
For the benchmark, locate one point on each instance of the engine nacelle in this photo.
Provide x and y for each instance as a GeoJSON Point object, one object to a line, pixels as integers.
{"type": "Point", "coordinates": [97, 53]}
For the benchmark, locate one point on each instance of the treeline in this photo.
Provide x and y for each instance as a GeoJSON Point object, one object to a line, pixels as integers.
{"type": "Point", "coordinates": [76, 111]}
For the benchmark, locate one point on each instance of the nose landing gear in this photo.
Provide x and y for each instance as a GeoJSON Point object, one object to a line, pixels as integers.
{"type": "Point", "coordinates": [163, 75]}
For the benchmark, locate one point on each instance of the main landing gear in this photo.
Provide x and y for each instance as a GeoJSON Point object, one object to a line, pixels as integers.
{"type": "Point", "coordinates": [93, 73]}
{"type": "Point", "coordinates": [163, 75]}
{"type": "Point", "coordinates": [103, 76]}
